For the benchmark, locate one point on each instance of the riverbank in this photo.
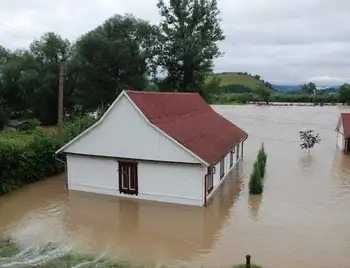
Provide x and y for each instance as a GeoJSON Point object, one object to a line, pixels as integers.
{"type": "Point", "coordinates": [282, 104]}
{"type": "Point", "coordinates": [277, 97]}
{"type": "Point", "coordinates": [48, 256]}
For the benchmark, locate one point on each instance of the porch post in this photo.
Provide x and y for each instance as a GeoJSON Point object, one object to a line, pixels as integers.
{"type": "Point", "coordinates": [242, 150]}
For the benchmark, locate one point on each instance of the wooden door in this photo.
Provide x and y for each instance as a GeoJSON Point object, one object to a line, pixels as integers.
{"type": "Point", "coordinates": [128, 179]}
{"type": "Point", "coordinates": [347, 146]}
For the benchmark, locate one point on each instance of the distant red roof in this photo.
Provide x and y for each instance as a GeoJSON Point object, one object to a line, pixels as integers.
{"type": "Point", "coordinates": [188, 119]}
{"type": "Point", "coordinates": [345, 117]}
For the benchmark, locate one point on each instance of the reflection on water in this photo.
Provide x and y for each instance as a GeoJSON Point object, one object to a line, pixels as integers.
{"type": "Point", "coordinates": [302, 220]}
{"type": "Point", "coordinates": [254, 205]}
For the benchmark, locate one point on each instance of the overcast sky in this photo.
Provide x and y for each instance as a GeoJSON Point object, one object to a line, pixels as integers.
{"type": "Point", "coordinates": [286, 42]}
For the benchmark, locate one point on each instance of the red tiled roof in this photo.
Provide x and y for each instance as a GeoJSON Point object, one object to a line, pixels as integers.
{"type": "Point", "coordinates": [188, 119]}
{"type": "Point", "coordinates": [345, 117]}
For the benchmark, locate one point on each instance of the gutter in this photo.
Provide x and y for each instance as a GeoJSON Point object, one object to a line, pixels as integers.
{"type": "Point", "coordinates": [65, 167]}
{"type": "Point", "coordinates": [205, 188]}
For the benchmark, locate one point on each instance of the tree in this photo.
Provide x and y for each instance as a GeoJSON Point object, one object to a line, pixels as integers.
{"type": "Point", "coordinates": [309, 88]}
{"type": "Point", "coordinates": [189, 33]}
{"type": "Point", "coordinates": [30, 78]}
{"type": "Point", "coordinates": [344, 94]}
{"type": "Point", "coordinates": [264, 93]}
{"type": "Point", "coordinates": [262, 158]}
{"type": "Point", "coordinates": [3, 117]}
{"type": "Point", "coordinates": [308, 139]}
{"type": "Point", "coordinates": [255, 183]}
{"type": "Point", "coordinates": [116, 55]}
{"type": "Point", "coordinates": [18, 81]}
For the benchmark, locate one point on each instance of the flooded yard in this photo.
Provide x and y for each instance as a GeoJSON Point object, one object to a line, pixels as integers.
{"type": "Point", "coordinates": [302, 219]}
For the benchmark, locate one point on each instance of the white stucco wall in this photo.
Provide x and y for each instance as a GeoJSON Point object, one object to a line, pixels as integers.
{"type": "Point", "coordinates": [340, 137]}
{"type": "Point", "coordinates": [124, 133]}
{"type": "Point", "coordinates": [340, 141]}
{"type": "Point", "coordinates": [216, 177]}
{"type": "Point", "coordinates": [174, 183]}
{"type": "Point", "coordinates": [92, 174]}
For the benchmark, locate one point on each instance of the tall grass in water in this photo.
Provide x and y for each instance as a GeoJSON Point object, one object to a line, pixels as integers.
{"type": "Point", "coordinates": [49, 256]}
{"type": "Point", "coordinates": [54, 256]}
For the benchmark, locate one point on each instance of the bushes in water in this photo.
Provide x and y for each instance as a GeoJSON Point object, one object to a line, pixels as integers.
{"type": "Point", "coordinates": [27, 160]}
{"type": "Point", "coordinates": [30, 156]}
{"type": "Point", "coordinates": [262, 158]}
{"type": "Point", "coordinates": [256, 185]}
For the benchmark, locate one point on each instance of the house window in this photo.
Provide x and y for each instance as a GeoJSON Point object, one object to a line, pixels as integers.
{"type": "Point", "coordinates": [222, 168]}
{"type": "Point", "coordinates": [209, 182]}
{"type": "Point", "coordinates": [231, 157]}
{"type": "Point", "coordinates": [128, 179]}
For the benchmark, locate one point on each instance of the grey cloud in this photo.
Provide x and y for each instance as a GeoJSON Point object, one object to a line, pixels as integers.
{"type": "Point", "coordinates": [286, 42]}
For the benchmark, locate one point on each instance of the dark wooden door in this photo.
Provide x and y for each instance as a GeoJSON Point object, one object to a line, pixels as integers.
{"type": "Point", "coordinates": [128, 179]}
{"type": "Point", "coordinates": [347, 146]}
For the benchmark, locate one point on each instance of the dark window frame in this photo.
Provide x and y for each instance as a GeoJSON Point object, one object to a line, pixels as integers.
{"type": "Point", "coordinates": [231, 157]}
{"type": "Point", "coordinates": [209, 182]}
{"type": "Point", "coordinates": [222, 168]}
{"type": "Point", "coordinates": [128, 185]}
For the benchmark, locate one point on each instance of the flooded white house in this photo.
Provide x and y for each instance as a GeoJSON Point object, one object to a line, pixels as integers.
{"type": "Point", "coordinates": [169, 147]}
{"type": "Point", "coordinates": [343, 132]}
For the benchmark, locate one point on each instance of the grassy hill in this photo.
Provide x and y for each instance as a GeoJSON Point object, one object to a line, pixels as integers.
{"type": "Point", "coordinates": [246, 80]}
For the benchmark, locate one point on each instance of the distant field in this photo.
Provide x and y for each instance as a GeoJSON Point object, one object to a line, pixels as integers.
{"type": "Point", "coordinates": [239, 79]}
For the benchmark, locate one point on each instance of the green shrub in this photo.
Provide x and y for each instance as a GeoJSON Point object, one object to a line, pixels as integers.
{"type": "Point", "coordinates": [26, 162]}
{"type": "Point", "coordinates": [76, 126]}
{"type": "Point", "coordinates": [255, 183]}
{"type": "Point", "coordinates": [31, 157]}
{"type": "Point", "coordinates": [262, 158]}
{"type": "Point", "coordinates": [31, 124]}
{"type": "Point", "coordinates": [3, 118]}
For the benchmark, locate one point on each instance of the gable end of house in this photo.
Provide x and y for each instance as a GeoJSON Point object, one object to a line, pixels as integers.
{"type": "Point", "coordinates": [191, 157]}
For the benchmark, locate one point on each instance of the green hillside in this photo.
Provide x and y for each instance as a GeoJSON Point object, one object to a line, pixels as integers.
{"type": "Point", "coordinates": [246, 80]}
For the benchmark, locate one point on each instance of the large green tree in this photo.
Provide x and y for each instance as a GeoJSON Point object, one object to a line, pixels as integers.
{"type": "Point", "coordinates": [309, 88]}
{"type": "Point", "coordinates": [189, 35]}
{"type": "Point", "coordinates": [116, 55]}
{"type": "Point", "coordinates": [344, 94]}
{"type": "Point", "coordinates": [48, 52]}
{"type": "Point", "coordinates": [30, 78]}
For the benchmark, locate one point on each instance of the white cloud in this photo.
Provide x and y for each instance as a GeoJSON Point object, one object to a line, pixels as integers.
{"type": "Point", "coordinates": [286, 42]}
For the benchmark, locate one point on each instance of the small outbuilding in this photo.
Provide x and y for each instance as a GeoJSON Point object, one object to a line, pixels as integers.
{"type": "Point", "coordinates": [343, 132]}
{"type": "Point", "coordinates": [18, 124]}
{"type": "Point", "coordinates": [169, 147]}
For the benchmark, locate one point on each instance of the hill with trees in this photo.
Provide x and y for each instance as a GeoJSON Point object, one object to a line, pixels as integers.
{"type": "Point", "coordinates": [239, 82]}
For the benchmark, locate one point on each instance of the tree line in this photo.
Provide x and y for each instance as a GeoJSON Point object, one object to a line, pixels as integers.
{"type": "Point", "coordinates": [308, 93]}
{"type": "Point", "coordinates": [124, 52]}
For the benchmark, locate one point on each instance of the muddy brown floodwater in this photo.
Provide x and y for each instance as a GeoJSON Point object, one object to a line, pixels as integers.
{"type": "Point", "coordinates": [302, 220]}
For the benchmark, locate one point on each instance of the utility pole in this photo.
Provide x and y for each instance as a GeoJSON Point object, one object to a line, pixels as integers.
{"type": "Point", "coordinates": [60, 100]}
